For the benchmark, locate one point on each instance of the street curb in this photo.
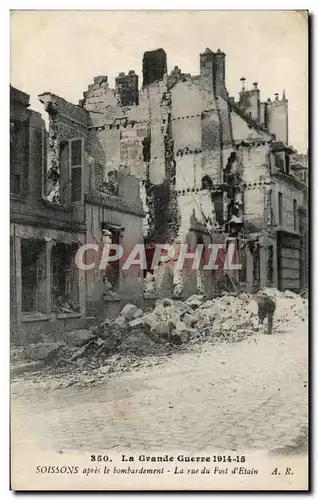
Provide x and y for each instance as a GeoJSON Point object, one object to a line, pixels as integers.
{"type": "Point", "coordinates": [27, 368]}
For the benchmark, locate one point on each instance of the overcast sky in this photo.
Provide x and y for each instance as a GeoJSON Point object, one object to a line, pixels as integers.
{"type": "Point", "coordinates": [62, 51]}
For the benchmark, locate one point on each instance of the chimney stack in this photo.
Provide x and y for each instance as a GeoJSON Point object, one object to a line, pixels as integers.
{"type": "Point", "coordinates": [250, 101]}
{"type": "Point", "coordinates": [154, 66]}
{"type": "Point", "coordinates": [127, 88]}
{"type": "Point", "coordinates": [243, 80]}
{"type": "Point", "coordinates": [212, 71]}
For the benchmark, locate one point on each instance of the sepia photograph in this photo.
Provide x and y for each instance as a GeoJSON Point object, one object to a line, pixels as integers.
{"type": "Point", "coordinates": [159, 250]}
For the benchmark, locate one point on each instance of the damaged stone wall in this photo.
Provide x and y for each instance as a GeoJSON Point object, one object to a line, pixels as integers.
{"type": "Point", "coordinates": [174, 215]}
{"type": "Point", "coordinates": [197, 150]}
{"type": "Point", "coordinates": [164, 221]}
{"type": "Point", "coordinates": [66, 122]}
{"type": "Point", "coordinates": [186, 116]}
{"type": "Point", "coordinates": [127, 88]}
{"type": "Point", "coordinates": [180, 130]}
{"type": "Point", "coordinates": [37, 156]}
{"type": "Point", "coordinates": [157, 95]}
{"type": "Point", "coordinates": [211, 146]}
{"type": "Point", "coordinates": [233, 194]}
{"type": "Point", "coordinates": [245, 129]}
{"type": "Point", "coordinates": [99, 98]}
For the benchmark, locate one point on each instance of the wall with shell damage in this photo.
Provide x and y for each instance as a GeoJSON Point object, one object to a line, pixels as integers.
{"type": "Point", "coordinates": [200, 161]}
{"type": "Point", "coordinates": [164, 220]}
{"type": "Point", "coordinates": [66, 122]}
{"type": "Point", "coordinates": [124, 215]}
{"type": "Point", "coordinates": [108, 198]}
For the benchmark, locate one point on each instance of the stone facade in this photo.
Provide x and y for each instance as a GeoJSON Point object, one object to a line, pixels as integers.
{"type": "Point", "coordinates": [207, 165]}
{"type": "Point", "coordinates": [60, 200]}
{"type": "Point", "coordinates": [178, 161]}
{"type": "Point", "coordinates": [44, 236]}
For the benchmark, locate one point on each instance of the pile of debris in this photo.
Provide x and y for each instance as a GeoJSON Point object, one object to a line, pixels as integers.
{"type": "Point", "coordinates": [170, 326]}
{"type": "Point", "coordinates": [62, 303]}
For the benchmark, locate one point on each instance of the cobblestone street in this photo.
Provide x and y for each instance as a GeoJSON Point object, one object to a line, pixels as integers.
{"type": "Point", "coordinates": [249, 395]}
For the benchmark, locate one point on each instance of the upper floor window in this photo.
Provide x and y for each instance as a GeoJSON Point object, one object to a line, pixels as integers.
{"type": "Point", "coordinates": [280, 209]}
{"type": "Point", "coordinates": [279, 161]}
{"type": "Point", "coordinates": [76, 155]}
{"type": "Point", "coordinates": [111, 276]}
{"type": "Point", "coordinates": [19, 152]}
{"type": "Point", "coordinates": [282, 161]}
{"type": "Point", "coordinates": [287, 163]}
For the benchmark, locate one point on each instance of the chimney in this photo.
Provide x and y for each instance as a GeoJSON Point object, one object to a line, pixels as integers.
{"type": "Point", "coordinates": [212, 71]}
{"type": "Point", "coordinates": [243, 80]}
{"type": "Point", "coordinates": [219, 73]}
{"type": "Point", "coordinates": [250, 101]}
{"type": "Point", "coordinates": [127, 88]}
{"type": "Point", "coordinates": [277, 117]}
{"type": "Point", "coordinates": [154, 66]}
{"type": "Point", "coordinates": [206, 69]}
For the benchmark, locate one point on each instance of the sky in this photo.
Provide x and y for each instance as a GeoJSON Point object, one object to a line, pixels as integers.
{"type": "Point", "coordinates": [62, 51]}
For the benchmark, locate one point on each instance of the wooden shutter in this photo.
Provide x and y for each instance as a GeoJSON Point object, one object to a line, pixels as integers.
{"type": "Point", "coordinates": [19, 157]}
{"type": "Point", "coordinates": [44, 162]}
{"type": "Point", "coordinates": [76, 155]}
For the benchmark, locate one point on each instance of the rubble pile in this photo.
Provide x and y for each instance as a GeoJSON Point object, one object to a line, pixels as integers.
{"type": "Point", "coordinates": [171, 325]}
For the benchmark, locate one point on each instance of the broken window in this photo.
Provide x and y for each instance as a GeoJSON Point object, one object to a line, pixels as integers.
{"type": "Point", "coordinates": [112, 272]}
{"type": "Point", "coordinates": [65, 293]}
{"type": "Point", "coordinates": [111, 186]}
{"type": "Point", "coordinates": [217, 199]}
{"type": "Point", "coordinates": [52, 183]}
{"type": "Point", "coordinates": [64, 184]}
{"type": "Point", "coordinates": [33, 275]}
{"type": "Point", "coordinates": [53, 186]}
{"type": "Point", "coordinates": [279, 161]}
{"type": "Point", "coordinates": [270, 268]}
{"type": "Point", "coordinates": [76, 166]}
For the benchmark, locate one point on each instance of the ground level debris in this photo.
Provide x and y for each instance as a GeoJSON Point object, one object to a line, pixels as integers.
{"type": "Point", "coordinates": [131, 339]}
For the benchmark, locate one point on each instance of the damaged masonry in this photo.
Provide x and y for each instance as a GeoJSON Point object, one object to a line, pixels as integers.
{"type": "Point", "coordinates": [159, 251]}
{"type": "Point", "coordinates": [177, 161]}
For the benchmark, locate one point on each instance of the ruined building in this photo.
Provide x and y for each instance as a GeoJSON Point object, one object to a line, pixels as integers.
{"type": "Point", "coordinates": [210, 169]}
{"type": "Point", "coordinates": [173, 160]}
{"type": "Point", "coordinates": [59, 202]}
